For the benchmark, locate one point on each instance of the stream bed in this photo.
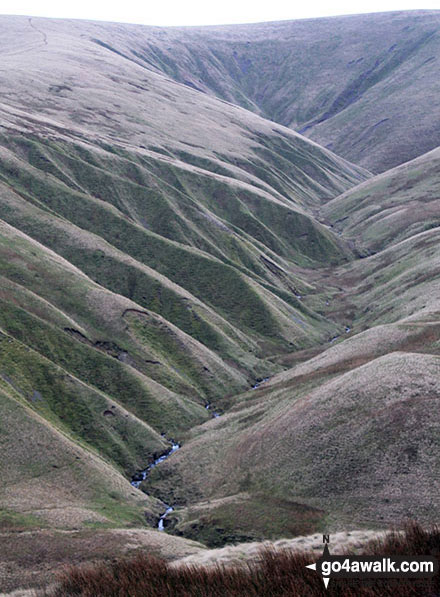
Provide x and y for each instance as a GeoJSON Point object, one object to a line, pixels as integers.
{"type": "Point", "coordinates": [140, 476]}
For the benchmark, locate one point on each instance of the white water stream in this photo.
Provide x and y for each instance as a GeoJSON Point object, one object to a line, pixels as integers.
{"type": "Point", "coordinates": [162, 518]}
{"type": "Point", "coordinates": [140, 476]}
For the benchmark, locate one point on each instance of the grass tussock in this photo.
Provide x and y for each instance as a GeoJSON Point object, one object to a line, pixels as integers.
{"type": "Point", "coordinates": [274, 573]}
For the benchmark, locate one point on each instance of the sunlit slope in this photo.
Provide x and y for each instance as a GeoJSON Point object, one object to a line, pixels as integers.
{"type": "Point", "coordinates": [364, 85]}
{"type": "Point", "coordinates": [391, 207]}
{"type": "Point", "coordinates": [70, 80]}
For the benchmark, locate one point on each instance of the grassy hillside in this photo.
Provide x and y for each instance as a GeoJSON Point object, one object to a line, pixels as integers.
{"type": "Point", "coordinates": [53, 481]}
{"type": "Point", "coordinates": [347, 438]}
{"type": "Point", "coordinates": [391, 207]}
{"type": "Point", "coordinates": [151, 259]}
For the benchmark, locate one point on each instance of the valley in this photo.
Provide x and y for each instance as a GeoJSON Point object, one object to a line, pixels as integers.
{"type": "Point", "coordinates": [219, 285]}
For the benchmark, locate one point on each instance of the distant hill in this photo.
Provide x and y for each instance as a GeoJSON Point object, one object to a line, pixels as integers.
{"type": "Point", "coordinates": [392, 207]}
{"type": "Point", "coordinates": [365, 86]}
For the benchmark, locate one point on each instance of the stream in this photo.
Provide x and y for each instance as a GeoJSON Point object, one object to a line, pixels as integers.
{"type": "Point", "coordinates": [140, 476]}
{"type": "Point", "coordinates": [347, 331]}
{"type": "Point", "coordinates": [214, 414]}
{"type": "Point", "coordinates": [160, 526]}
{"type": "Point", "coordinates": [258, 383]}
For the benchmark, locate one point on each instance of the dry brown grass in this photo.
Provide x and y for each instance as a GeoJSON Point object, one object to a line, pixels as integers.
{"type": "Point", "coordinates": [358, 445]}
{"type": "Point", "coordinates": [361, 348]}
{"type": "Point", "coordinates": [243, 553]}
{"type": "Point", "coordinates": [30, 559]}
{"type": "Point", "coordinates": [273, 574]}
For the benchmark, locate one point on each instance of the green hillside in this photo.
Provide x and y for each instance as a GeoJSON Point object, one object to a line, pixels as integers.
{"type": "Point", "coordinates": [391, 207]}
{"type": "Point", "coordinates": [347, 436]}
{"type": "Point", "coordinates": [144, 276]}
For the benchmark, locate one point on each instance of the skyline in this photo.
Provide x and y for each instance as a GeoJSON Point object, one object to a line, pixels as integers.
{"type": "Point", "coordinates": [197, 13]}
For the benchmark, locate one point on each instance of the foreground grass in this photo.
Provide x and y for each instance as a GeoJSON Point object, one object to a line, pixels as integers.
{"type": "Point", "coordinates": [274, 573]}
